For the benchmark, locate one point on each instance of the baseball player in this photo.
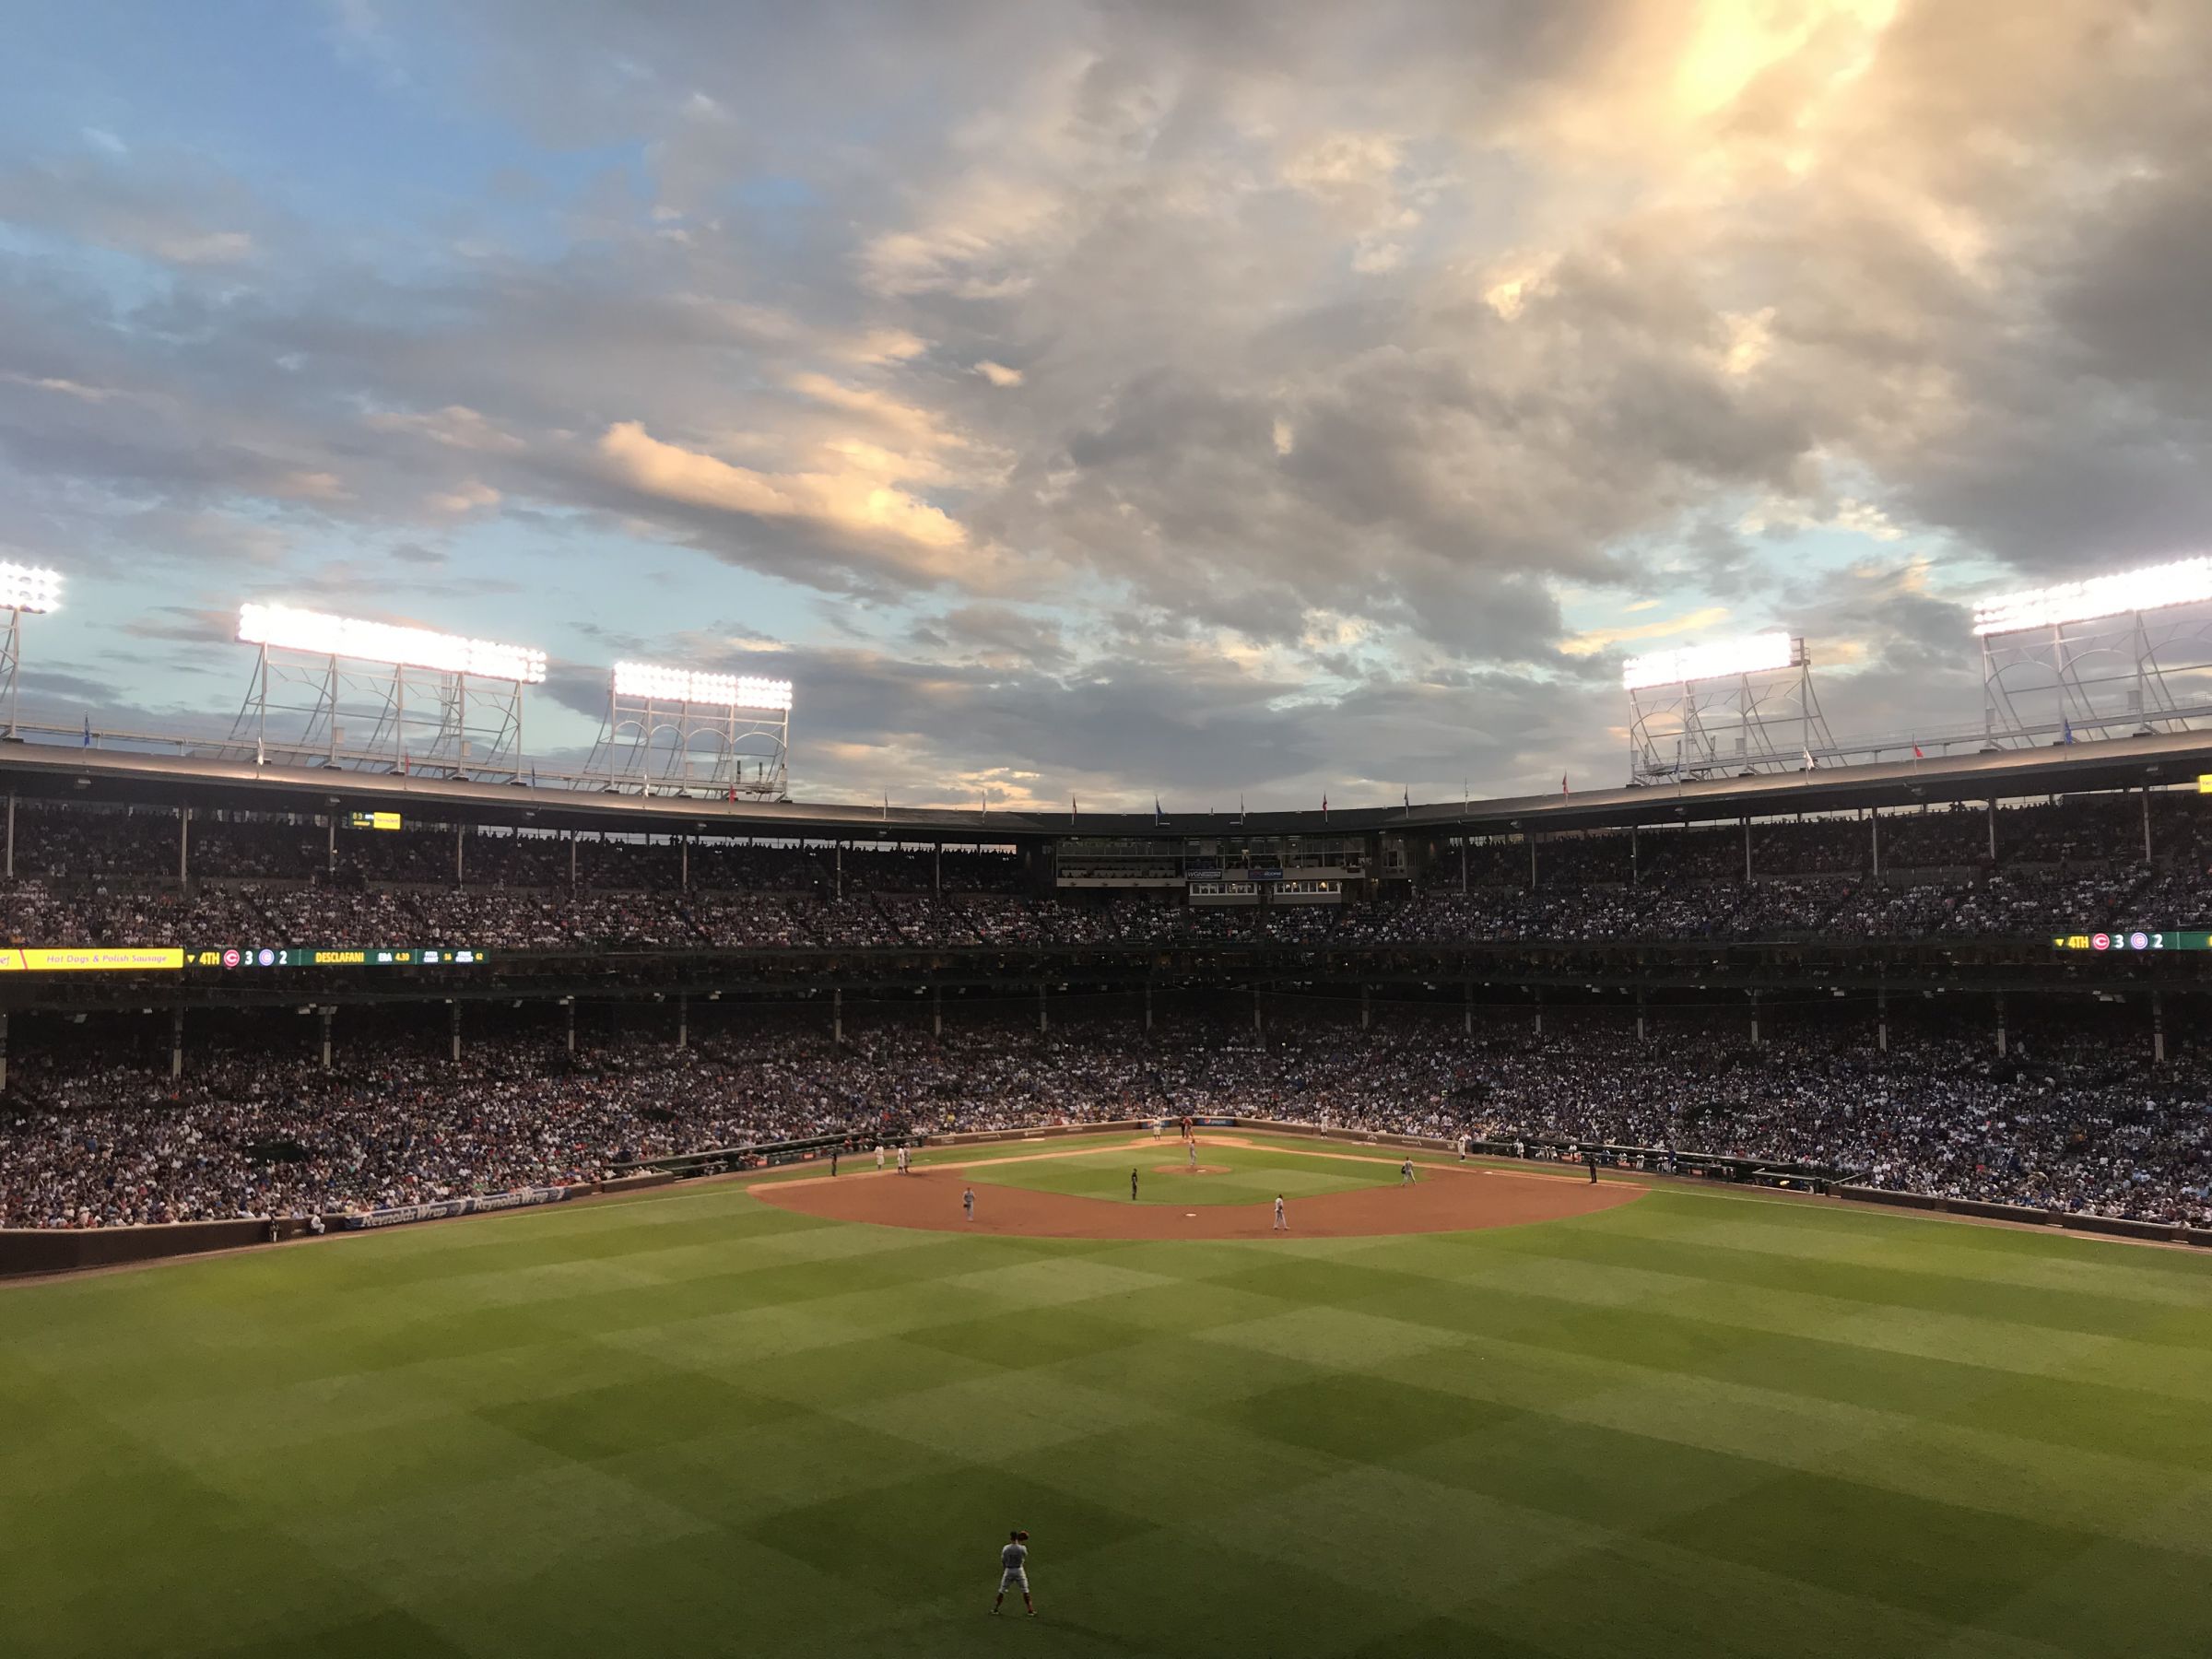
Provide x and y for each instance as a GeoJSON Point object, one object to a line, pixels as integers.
{"type": "Point", "coordinates": [1157, 1126]}
{"type": "Point", "coordinates": [968, 1202]}
{"type": "Point", "coordinates": [1282, 1223]}
{"type": "Point", "coordinates": [878, 1158]}
{"type": "Point", "coordinates": [902, 1160]}
{"type": "Point", "coordinates": [1406, 1173]}
{"type": "Point", "coordinates": [1013, 1572]}
{"type": "Point", "coordinates": [1462, 1149]}
{"type": "Point", "coordinates": [1133, 1186]}
{"type": "Point", "coordinates": [1591, 1157]}
{"type": "Point", "coordinates": [1193, 1158]}
{"type": "Point", "coordinates": [833, 1160]}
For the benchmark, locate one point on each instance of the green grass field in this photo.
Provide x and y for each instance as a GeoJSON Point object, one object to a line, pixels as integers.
{"type": "Point", "coordinates": [1253, 1174]}
{"type": "Point", "coordinates": [693, 1423]}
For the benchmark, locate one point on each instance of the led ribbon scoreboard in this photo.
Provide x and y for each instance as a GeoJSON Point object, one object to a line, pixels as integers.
{"type": "Point", "coordinates": [2139, 938]}
{"type": "Point", "coordinates": [338, 956]}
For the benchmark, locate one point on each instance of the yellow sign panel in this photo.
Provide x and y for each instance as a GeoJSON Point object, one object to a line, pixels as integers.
{"type": "Point", "coordinates": [374, 820]}
{"type": "Point", "coordinates": [2204, 783]}
{"type": "Point", "coordinates": [91, 958]}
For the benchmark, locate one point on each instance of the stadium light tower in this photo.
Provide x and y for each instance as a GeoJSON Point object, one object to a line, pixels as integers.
{"type": "Point", "coordinates": [688, 731]}
{"type": "Point", "coordinates": [22, 588]}
{"type": "Point", "coordinates": [348, 692]}
{"type": "Point", "coordinates": [1741, 705]}
{"type": "Point", "coordinates": [2118, 655]}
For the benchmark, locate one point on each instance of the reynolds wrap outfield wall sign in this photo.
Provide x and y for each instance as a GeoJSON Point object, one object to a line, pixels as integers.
{"type": "Point", "coordinates": [339, 955]}
{"type": "Point", "coordinates": [399, 1214]}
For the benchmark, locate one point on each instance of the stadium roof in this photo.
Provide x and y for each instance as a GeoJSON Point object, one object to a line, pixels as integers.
{"type": "Point", "coordinates": [60, 770]}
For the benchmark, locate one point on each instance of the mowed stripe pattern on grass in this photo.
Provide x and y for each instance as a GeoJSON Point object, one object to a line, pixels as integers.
{"type": "Point", "coordinates": [1693, 1425]}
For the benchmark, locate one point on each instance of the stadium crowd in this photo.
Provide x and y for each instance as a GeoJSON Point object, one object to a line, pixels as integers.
{"type": "Point", "coordinates": [2076, 1122]}
{"type": "Point", "coordinates": [108, 877]}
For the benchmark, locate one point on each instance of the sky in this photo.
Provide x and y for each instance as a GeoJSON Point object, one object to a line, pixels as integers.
{"type": "Point", "coordinates": [1106, 398]}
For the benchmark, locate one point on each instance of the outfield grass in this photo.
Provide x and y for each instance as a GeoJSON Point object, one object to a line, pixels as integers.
{"type": "Point", "coordinates": [1247, 1174]}
{"type": "Point", "coordinates": [1697, 1425]}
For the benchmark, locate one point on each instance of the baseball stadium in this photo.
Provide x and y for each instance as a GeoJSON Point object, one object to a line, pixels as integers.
{"type": "Point", "coordinates": [456, 1208]}
{"type": "Point", "coordinates": [1106, 830]}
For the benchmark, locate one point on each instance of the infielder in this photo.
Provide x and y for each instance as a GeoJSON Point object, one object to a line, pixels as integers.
{"type": "Point", "coordinates": [968, 1202]}
{"type": "Point", "coordinates": [878, 1158]}
{"type": "Point", "coordinates": [902, 1160]}
{"type": "Point", "coordinates": [1406, 1173]}
{"type": "Point", "coordinates": [1281, 1223]}
{"type": "Point", "coordinates": [1462, 1149]}
{"type": "Point", "coordinates": [1013, 1572]}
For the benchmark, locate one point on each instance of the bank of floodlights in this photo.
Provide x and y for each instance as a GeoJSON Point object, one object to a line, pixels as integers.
{"type": "Point", "coordinates": [1754, 653]}
{"type": "Point", "coordinates": [2185, 582]}
{"type": "Point", "coordinates": [687, 731]}
{"type": "Point", "coordinates": [29, 588]}
{"type": "Point", "coordinates": [1721, 709]}
{"type": "Point", "coordinates": [2128, 655]}
{"type": "Point", "coordinates": [24, 588]}
{"type": "Point", "coordinates": [319, 634]}
{"type": "Point", "coordinates": [343, 691]}
{"type": "Point", "coordinates": [693, 686]}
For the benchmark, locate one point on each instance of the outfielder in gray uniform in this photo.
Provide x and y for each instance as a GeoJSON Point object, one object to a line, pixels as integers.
{"type": "Point", "coordinates": [1014, 1572]}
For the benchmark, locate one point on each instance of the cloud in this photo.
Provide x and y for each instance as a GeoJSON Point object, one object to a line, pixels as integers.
{"type": "Point", "coordinates": [998, 374]}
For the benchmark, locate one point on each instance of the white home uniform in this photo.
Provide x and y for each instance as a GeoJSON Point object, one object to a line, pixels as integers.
{"type": "Point", "coordinates": [879, 1160]}
{"type": "Point", "coordinates": [902, 1160]}
{"type": "Point", "coordinates": [1462, 1149]}
{"type": "Point", "coordinates": [1012, 1574]}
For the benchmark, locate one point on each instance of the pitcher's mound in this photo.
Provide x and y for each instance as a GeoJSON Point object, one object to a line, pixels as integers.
{"type": "Point", "coordinates": [1443, 1201]}
{"type": "Point", "coordinates": [1187, 1169]}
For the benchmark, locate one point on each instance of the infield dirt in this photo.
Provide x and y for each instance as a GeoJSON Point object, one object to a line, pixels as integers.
{"type": "Point", "coordinates": [1441, 1201]}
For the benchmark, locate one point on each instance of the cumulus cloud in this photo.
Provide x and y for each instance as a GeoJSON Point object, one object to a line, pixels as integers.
{"type": "Point", "coordinates": [1376, 366]}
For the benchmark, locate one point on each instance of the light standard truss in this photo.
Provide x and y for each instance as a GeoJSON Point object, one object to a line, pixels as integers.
{"type": "Point", "coordinates": [681, 731]}
{"type": "Point", "coordinates": [2113, 656]}
{"type": "Point", "coordinates": [1734, 707]}
{"type": "Point", "coordinates": [341, 692]}
{"type": "Point", "coordinates": [22, 588]}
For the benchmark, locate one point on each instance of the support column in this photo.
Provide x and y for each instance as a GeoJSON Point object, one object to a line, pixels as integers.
{"type": "Point", "coordinates": [572, 862]}
{"type": "Point", "coordinates": [937, 870]}
{"type": "Point", "coordinates": [837, 1016]}
{"type": "Point", "coordinates": [1539, 1010]}
{"type": "Point", "coordinates": [183, 846]}
{"type": "Point", "coordinates": [1755, 1018]}
{"type": "Point", "coordinates": [1635, 859]}
{"type": "Point", "coordinates": [176, 1043]}
{"type": "Point", "coordinates": [11, 835]}
{"type": "Point", "coordinates": [2158, 1028]}
{"type": "Point", "coordinates": [3, 1054]}
{"type": "Point", "coordinates": [1148, 1007]}
{"type": "Point", "coordinates": [936, 1011]}
{"type": "Point", "coordinates": [569, 1006]}
{"type": "Point", "coordinates": [1993, 832]}
{"type": "Point", "coordinates": [326, 1014]}
{"type": "Point", "coordinates": [1746, 849]}
{"type": "Point", "coordinates": [330, 842]}
{"type": "Point", "coordinates": [455, 1008]}
{"type": "Point", "coordinates": [1881, 1017]}
{"type": "Point", "coordinates": [2145, 823]}
{"type": "Point", "coordinates": [458, 878]}
{"type": "Point", "coordinates": [1367, 1007]}
{"type": "Point", "coordinates": [1874, 838]}
{"type": "Point", "coordinates": [683, 854]}
{"type": "Point", "coordinates": [2002, 1048]}
{"type": "Point", "coordinates": [841, 869]}
{"type": "Point", "coordinates": [1043, 1023]}
{"type": "Point", "coordinates": [1256, 1029]}
{"type": "Point", "coordinates": [683, 1019]}
{"type": "Point", "coordinates": [1532, 862]}
{"type": "Point", "coordinates": [1463, 865]}
{"type": "Point", "coordinates": [1640, 1013]}
{"type": "Point", "coordinates": [1467, 1021]}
